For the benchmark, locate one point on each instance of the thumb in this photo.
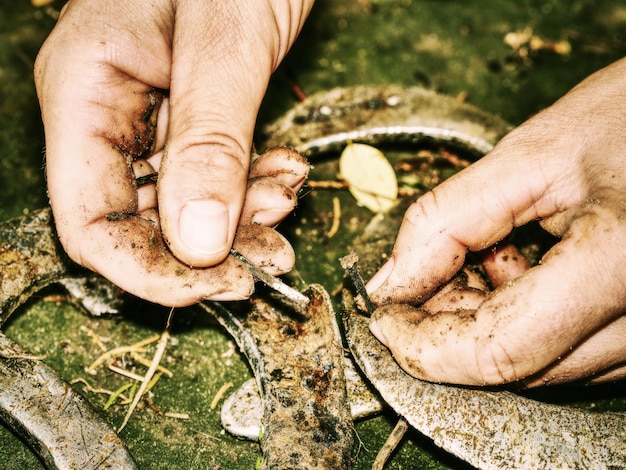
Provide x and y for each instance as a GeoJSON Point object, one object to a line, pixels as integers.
{"type": "Point", "coordinates": [512, 185]}
{"type": "Point", "coordinates": [219, 75]}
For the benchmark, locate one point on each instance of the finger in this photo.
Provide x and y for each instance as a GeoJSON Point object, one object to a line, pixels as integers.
{"type": "Point", "coordinates": [274, 179]}
{"type": "Point", "coordinates": [268, 201]}
{"type": "Point", "coordinates": [528, 324]}
{"type": "Point", "coordinates": [266, 248]}
{"type": "Point", "coordinates": [598, 358]}
{"type": "Point", "coordinates": [610, 375]}
{"type": "Point", "coordinates": [466, 291]}
{"type": "Point", "coordinates": [223, 56]}
{"type": "Point", "coordinates": [97, 117]}
{"type": "Point", "coordinates": [476, 208]}
{"type": "Point", "coordinates": [132, 254]}
{"type": "Point", "coordinates": [90, 172]}
{"type": "Point", "coordinates": [504, 263]}
{"type": "Point", "coordinates": [285, 164]}
{"type": "Point", "coordinates": [93, 134]}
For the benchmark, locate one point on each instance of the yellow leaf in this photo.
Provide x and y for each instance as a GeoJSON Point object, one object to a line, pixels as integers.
{"type": "Point", "coordinates": [370, 177]}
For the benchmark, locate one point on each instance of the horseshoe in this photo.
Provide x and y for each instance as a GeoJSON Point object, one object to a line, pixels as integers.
{"type": "Point", "coordinates": [63, 429]}
{"type": "Point", "coordinates": [486, 429]}
{"type": "Point", "coordinates": [31, 259]}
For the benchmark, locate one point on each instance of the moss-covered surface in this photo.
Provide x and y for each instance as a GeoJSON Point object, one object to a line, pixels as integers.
{"type": "Point", "coordinates": [452, 46]}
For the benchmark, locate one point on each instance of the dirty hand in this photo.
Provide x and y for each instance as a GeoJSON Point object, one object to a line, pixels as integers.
{"type": "Point", "coordinates": [559, 321]}
{"type": "Point", "coordinates": [130, 88]}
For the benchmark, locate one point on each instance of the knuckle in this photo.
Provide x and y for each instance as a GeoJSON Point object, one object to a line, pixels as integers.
{"type": "Point", "coordinates": [496, 363]}
{"type": "Point", "coordinates": [203, 150]}
{"type": "Point", "coordinates": [423, 208]}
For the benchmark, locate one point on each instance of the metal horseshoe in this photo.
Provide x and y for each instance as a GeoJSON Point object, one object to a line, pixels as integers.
{"type": "Point", "coordinates": [487, 429]}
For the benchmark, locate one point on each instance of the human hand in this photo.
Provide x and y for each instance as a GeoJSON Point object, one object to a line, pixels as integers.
{"type": "Point", "coordinates": [130, 88]}
{"type": "Point", "coordinates": [559, 321]}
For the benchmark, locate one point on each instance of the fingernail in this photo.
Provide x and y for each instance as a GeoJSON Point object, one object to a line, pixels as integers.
{"type": "Point", "coordinates": [376, 331]}
{"type": "Point", "coordinates": [269, 218]}
{"type": "Point", "coordinates": [294, 180]}
{"type": "Point", "coordinates": [230, 296]}
{"type": "Point", "coordinates": [380, 277]}
{"type": "Point", "coordinates": [203, 226]}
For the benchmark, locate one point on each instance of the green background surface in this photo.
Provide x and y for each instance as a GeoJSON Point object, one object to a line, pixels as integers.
{"type": "Point", "coordinates": [450, 46]}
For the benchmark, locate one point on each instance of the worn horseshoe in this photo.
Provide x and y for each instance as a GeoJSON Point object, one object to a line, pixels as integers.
{"type": "Point", "coordinates": [30, 259]}
{"type": "Point", "coordinates": [63, 429]}
{"type": "Point", "coordinates": [486, 429]}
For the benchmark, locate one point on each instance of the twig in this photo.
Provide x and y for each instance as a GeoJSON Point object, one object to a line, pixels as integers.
{"type": "Point", "coordinates": [152, 406]}
{"type": "Point", "coordinates": [137, 347]}
{"type": "Point", "coordinates": [135, 356]}
{"type": "Point", "coordinates": [94, 337]}
{"type": "Point", "coordinates": [332, 184]}
{"type": "Point", "coordinates": [220, 393]}
{"type": "Point", "coordinates": [298, 91]}
{"type": "Point", "coordinates": [174, 415]}
{"type": "Point", "coordinates": [161, 345]}
{"type": "Point", "coordinates": [326, 184]}
{"type": "Point", "coordinates": [454, 160]}
{"type": "Point", "coordinates": [91, 389]}
{"type": "Point", "coordinates": [390, 444]}
{"type": "Point", "coordinates": [125, 373]}
{"type": "Point", "coordinates": [334, 228]}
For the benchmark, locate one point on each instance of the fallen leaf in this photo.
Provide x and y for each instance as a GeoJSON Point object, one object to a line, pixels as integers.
{"type": "Point", "coordinates": [370, 177]}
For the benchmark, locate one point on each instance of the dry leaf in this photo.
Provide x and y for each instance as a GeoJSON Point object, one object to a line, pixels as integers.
{"type": "Point", "coordinates": [370, 177]}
